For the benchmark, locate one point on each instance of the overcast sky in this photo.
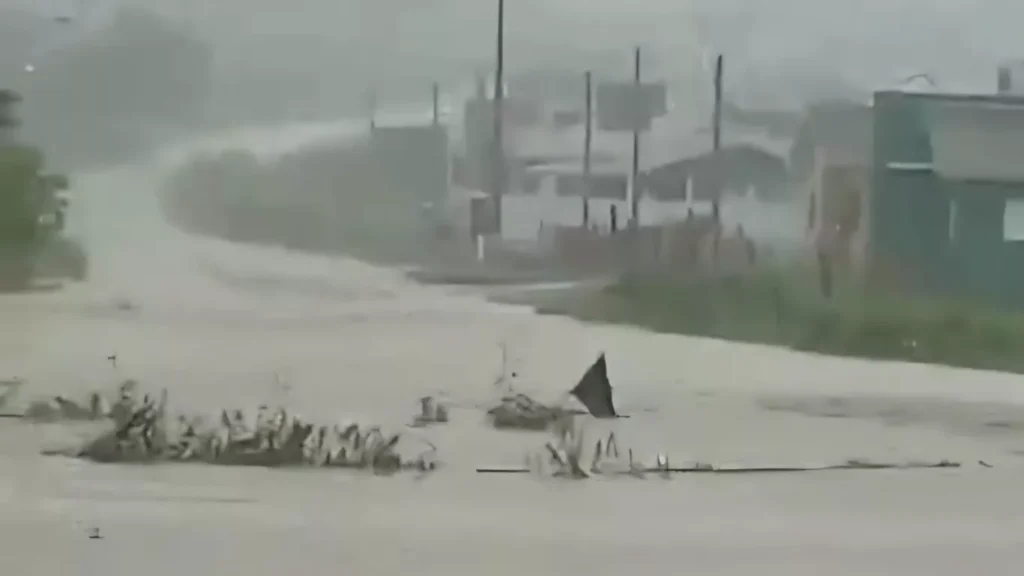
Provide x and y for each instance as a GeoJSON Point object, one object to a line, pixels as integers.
{"type": "Point", "coordinates": [868, 42]}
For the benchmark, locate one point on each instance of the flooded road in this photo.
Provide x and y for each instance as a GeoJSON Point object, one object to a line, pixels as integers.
{"type": "Point", "coordinates": [220, 324]}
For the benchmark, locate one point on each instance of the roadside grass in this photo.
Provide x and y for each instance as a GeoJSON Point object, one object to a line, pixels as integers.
{"type": "Point", "coordinates": [781, 307]}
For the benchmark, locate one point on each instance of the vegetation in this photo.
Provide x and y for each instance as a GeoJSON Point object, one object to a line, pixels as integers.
{"type": "Point", "coordinates": [782, 307]}
{"type": "Point", "coordinates": [321, 198]}
{"type": "Point", "coordinates": [31, 211]}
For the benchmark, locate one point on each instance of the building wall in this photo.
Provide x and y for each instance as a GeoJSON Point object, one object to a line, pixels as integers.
{"type": "Point", "coordinates": [931, 234]}
{"type": "Point", "coordinates": [836, 204]}
{"type": "Point", "coordinates": [909, 215]}
{"type": "Point", "coordinates": [986, 264]}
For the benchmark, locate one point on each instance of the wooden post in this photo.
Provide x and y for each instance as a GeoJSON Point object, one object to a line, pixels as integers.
{"type": "Point", "coordinates": [716, 124]}
{"type": "Point", "coordinates": [498, 159]}
{"type": "Point", "coordinates": [635, 199]}
{"type": "Point", "coordinates": [587, 137]}
{"type": "Point", "coordinates": [372, 105]}
{"type": "Point", "coordinates": [716, 121]}
{"type": "Point", "coordinates": [434, 96]}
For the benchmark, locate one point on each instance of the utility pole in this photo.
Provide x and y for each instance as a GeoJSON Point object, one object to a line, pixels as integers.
{"type": "Point", "coordinates": [587, 137]}
{"type": "Point", "coordinates": [635, 189]}
{"type": "Point", "coordinates": [498, 159]}
{"type": "Point", "coordinates": [372, 105]}
{"type": "Point", "coordinates": [716, 126]}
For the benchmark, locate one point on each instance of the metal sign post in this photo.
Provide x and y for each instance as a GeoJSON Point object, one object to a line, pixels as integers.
{"type": "Point", "coordinates": [587, 137]}
{"type": "Point", "coordinates": [634, 188]}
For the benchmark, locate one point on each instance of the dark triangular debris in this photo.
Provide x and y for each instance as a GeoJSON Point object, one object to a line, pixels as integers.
{"type": "Point", "coordinates": [595, 391]}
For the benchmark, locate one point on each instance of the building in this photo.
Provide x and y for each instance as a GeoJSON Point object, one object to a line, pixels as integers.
{"type": "Point", "coordinates": [1010, 77]}
{"type": "Point", "coordinates": [674, 176]}
{"type": "Point", "coordinates": [748, 163]}
{"type": "Point", "coordinates": [948, 187]}
{"type": "Point", "coordinates": [830, 168]}
{"type": "Point", "coordinates": [544, 182]}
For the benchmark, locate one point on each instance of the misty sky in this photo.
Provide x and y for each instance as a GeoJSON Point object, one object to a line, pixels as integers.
{"type": "Point", "coordinates": [870, 43]}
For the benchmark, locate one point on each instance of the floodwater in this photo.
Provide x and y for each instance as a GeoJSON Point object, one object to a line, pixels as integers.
{"type": "Point", "coordinates": [223, 325]}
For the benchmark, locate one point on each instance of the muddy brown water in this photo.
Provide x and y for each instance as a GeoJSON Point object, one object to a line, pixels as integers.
{"type": "Point", "coordinates": [215, 322]}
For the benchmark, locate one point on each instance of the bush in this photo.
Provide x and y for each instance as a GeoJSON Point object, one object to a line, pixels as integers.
{"type": "Point", "coordinates": [21, 194]}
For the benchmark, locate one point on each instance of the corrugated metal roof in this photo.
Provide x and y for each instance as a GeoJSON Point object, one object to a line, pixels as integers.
{"type": "Point", "coordinates": [978, 140]}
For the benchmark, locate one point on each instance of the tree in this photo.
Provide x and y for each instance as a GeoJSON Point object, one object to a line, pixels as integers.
{"type": "Point", "coordinates": [21, 194]}
{"type": "Point", "coordinates": [28, 195]}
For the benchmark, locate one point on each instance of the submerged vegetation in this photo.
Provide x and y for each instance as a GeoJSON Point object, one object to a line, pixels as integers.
{"type": "Point", "coordinates": [782, 307]}
{"type": "Point", "coordinates": [142, 430]}
{"type": "Point", "coordinates": [136, 431]}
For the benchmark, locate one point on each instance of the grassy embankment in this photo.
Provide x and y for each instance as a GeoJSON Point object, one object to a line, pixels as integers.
{"type": "Point", "coordinates": [783, 308]}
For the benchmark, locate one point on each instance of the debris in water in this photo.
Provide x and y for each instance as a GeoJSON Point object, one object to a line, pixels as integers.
{"type": "Point", "coordinates": [142, 431]}
{"type": "Point", "coordinates": [523, 413]}
{"type": "Point", "coordinates": [124, 304]}
{"type": "Point", "coordinates": [565, 454]}
{"type": "Point", "coordinates": [519, 411]}
{"type": "Point", "coordinates": [9, 389]}
{"type": "Point", "coordinates": [562, 461]}
{"type": "Point", "coordinates": [61, 408]}
{"type": "Point", "coordinates": [595, 390]}
{"type": "Point", "coordinates": [431, 412]}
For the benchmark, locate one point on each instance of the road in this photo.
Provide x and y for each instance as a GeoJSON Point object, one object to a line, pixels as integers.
{"type": "Point", "coordinates": [215, 322]}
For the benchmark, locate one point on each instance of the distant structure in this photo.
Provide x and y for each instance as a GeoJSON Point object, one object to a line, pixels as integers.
{"type": "Point", "coordinates": [831, 167]}
{"type": "Point", "coordinates": [1010, 78]}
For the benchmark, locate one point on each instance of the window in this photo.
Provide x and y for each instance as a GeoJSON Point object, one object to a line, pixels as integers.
{"type": "Point", "coordinates": [1013, 220]}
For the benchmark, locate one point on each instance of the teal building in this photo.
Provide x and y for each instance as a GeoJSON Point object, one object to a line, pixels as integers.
{"type": "Point", "coordinates": [947, 196]}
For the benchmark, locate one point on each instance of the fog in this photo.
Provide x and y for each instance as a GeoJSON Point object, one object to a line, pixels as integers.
{"type": "Point", "coordinates": [216, 322]}
{"type": "Point", "coordinates": [337, 48]}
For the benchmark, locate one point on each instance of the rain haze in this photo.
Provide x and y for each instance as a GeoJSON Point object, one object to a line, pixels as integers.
{"type": "Point", "coordinates": [243, 251]}
{"type": "Point", "coordinates": [325, 44]}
